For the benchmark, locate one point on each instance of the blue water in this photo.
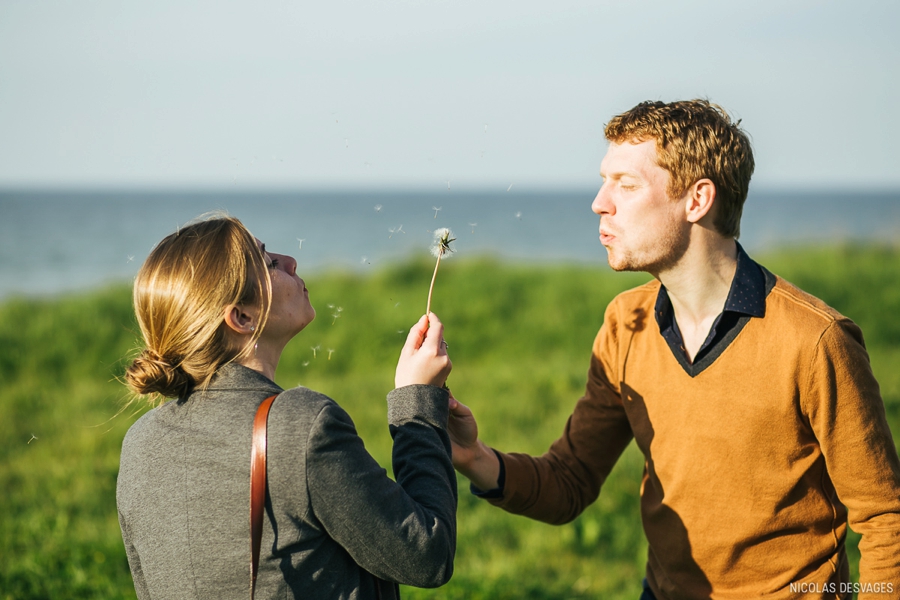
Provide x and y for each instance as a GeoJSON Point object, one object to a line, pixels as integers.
{"type": "Point", "coordinates": [58, 241]}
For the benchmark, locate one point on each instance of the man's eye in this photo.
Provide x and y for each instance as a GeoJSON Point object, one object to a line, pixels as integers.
{"type": "Point", "coordinates": [274, 263]}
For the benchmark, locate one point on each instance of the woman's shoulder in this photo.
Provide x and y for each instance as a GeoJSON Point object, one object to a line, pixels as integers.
{"type": "Point", "coordinates": [303, 398]}
{"type": "Point", "coordinates": [303, 404]}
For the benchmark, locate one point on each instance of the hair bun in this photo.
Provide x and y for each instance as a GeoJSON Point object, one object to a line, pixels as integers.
{"type": "Point", "coordinates": [151, 373]}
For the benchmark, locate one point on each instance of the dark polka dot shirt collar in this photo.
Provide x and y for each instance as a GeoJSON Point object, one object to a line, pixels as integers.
{"type": "Point", "coordinates": [746, 298]}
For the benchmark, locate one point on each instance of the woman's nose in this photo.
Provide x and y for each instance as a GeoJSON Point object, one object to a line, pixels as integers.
{"type": "Point", "coordinates": [287, 263]}
{"type": "Point", "coordinates": [290, 265]}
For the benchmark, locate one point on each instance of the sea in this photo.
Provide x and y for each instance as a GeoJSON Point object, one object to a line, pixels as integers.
{"type": "Point", "coordinates": [58, 241]}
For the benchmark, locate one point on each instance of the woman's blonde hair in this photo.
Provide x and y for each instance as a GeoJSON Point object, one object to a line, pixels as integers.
{"type": "Point", "coordinates": [180, 296]}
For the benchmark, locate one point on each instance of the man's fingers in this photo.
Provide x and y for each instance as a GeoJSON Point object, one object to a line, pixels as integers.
{"type": "Point", "coordinates": [458, 409]}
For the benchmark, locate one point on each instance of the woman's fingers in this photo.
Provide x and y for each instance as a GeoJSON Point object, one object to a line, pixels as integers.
{"type": "Point", "coordinates": [434, 335]}
{"type": "Point", "coordinates": [416, 335]}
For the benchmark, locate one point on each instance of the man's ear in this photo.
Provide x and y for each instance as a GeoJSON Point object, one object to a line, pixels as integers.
{"type": "Point", "coordinates": [700, 200]}
{"type": "Point", "coordinates": [240, 319]}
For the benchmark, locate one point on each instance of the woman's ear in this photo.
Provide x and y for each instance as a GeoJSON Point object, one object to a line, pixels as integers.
{"type": "Point", "coordinates": [240, 319]}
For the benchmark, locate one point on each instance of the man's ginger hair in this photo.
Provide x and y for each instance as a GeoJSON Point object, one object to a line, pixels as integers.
{"type": "Point", "coordinates": [695, 139]}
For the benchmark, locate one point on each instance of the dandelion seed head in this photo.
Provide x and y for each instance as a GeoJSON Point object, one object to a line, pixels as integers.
{"type": "Point", "coordinates": [442, 239]}
{"type": "Point", "coordinates": [377, 206]}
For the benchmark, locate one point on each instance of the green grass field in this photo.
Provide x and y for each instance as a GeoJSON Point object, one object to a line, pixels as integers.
{"type": "Point", "coordinates": [520, 341]}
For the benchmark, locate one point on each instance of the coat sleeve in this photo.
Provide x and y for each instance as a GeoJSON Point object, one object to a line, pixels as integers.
{"type": "Point", "coordinates": [558, 486]}
{"type": "Point", "coordinates": [847, 415]}
{"type": "Point", "coordinates": [403, 531]}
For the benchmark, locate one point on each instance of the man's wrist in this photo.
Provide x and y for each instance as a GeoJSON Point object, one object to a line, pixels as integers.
{"type": "Point", "coordinates": [484, 468]}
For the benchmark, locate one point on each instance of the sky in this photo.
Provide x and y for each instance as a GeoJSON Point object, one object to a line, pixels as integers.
{"type": "Point", "coordinates": [432, 94]}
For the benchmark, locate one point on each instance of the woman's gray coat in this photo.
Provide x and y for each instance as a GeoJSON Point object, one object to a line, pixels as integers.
{"type": "Point", "coordinates": [336, 526]}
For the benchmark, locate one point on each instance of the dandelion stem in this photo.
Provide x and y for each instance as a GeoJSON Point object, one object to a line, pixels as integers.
{"type": "Point", "coordinates": [433, 277]}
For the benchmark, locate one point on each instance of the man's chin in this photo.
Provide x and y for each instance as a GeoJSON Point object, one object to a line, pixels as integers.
{"type": "Point", "coordinates": [619, 264]}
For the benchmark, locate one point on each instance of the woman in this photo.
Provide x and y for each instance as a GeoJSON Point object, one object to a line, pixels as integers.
{"type": "Point", "coordinates": [216, 310]}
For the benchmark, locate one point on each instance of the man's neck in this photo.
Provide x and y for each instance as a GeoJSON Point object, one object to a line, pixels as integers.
{"type": "Point", "coordinates": [698, 287]}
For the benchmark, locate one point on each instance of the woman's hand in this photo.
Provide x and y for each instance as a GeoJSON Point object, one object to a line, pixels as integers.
{"type": "Point", "coordinates": [423, 359]}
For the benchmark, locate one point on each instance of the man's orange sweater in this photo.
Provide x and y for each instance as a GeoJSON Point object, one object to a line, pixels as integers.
{"type": "Point", "coordinates": [749, 465]}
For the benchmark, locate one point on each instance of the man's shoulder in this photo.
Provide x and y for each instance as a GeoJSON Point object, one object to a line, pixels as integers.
{"type": "Point", "coordinates": [629, 310]}
{"type": "Point", "coordinates": [787, 301]}
{"type": "Point", "coordinates": [795, 315]}
{"type": "Point", "coordinates": [639, 296]}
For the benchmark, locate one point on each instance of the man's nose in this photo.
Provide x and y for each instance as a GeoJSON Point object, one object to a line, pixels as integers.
{"type": "Point", "coordinates": [601, 204]}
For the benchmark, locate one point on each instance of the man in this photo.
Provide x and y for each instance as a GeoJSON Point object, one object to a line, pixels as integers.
{"type": "Point", "coordinates": [753, 402]}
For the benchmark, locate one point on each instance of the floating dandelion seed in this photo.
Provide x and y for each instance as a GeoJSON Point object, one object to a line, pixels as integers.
{"type": "Point", "coordinates": [436, 209]}
{"type": "Point", "coordinates": [33, 437]}
{"type": "Point", "coordinates": [130, 257]}
{"type": "Point", "coordinates": [305, 363]}
{"type": "Point", "coordinates": [473, 225]}
{"type": "Point", "coordinates": [377, 206]}
{"type": "Point", "coordinates": [315, 349]}
{"type": "Point", "coordinates": [330, 352]}
{"type": "Point", "coordinates": [519, 215]}
{"type": "Point", "coordinates": [331, 306]}
{"type": "Point", "coordinates": [336, 314]}
{"type": "Point", "coordinates": [301, 242]}
{"type": "Point", "coordinates": [365, 260]}
{"type": "Point", "coordinates": [509, 188]}
{"type": "Point", "coordinates": [442, 239]}
{"type": "Point", "coordinates": [485, 127]}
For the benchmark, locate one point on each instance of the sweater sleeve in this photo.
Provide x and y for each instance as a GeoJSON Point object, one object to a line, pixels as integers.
{"type": "Point", "coordinates": [403, 531]}
{"type": "Point", "coordinates": [557, 486]}
{"type": "Point", "coordinates": [847, 416]}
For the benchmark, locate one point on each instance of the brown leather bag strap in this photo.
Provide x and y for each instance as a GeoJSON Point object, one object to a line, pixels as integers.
{"type": "Point", "coordinates": [258, 486]}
